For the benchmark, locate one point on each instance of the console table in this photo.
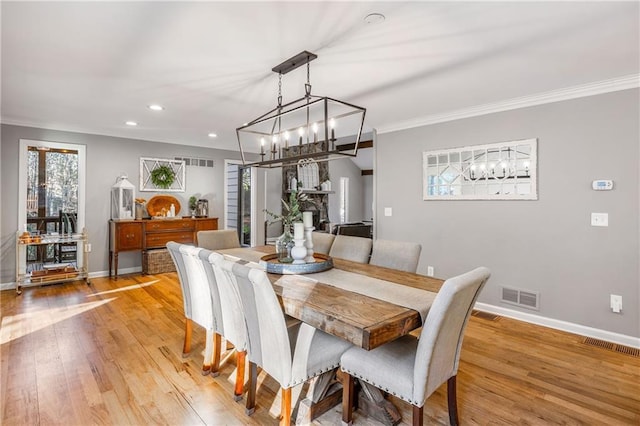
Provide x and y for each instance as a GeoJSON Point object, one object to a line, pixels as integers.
{"type": "Point", "coordinates": [148, 234]}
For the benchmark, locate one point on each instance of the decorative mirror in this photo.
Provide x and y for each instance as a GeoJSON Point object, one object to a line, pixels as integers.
{"type": "Point", "coordinates": [498, 171]}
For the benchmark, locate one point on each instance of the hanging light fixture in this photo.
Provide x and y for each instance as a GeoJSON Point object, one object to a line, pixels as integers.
{"type": "Point", "coordinates": [311, 127]}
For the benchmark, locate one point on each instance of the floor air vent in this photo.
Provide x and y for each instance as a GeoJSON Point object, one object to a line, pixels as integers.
{"type": "Point", "coordinates": [524, 298]}
{"type": "Point", "coordinates": [486, 315]}
{"type": "Point", "coordinates": [627, 350]}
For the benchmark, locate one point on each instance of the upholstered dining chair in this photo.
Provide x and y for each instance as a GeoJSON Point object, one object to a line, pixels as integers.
{"type": "Point", "coordinates": [322, 242]}
{"type": "Point", "coordinates": [400, 255]}
{"type": "Point", "coordinates": [218, 240]}
{"type": "Point", "coordinates": [231, 319]}
{"type": "Point", "coordinates": [199, 297]}
{"type": "Point", "coordinates": [355, 249]}
{"type": "Point", "coordinates": [290, 355]}
{"type": "Point", "coordinates": [411, 368]}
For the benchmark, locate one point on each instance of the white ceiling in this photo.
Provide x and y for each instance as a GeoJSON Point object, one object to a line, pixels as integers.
{"type": "Point", "coordinates": [90, 66]}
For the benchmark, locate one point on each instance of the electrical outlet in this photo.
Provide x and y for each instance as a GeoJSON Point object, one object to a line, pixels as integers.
{"type": "Point", "coordinates": [430, 271]}
{"type": "Point", "coordinates": [616, 303]}
{"type": "Point", "coordinates": [87, 248]}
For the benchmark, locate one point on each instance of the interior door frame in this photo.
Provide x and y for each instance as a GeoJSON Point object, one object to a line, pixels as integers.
{"type": "Point", "coordinates": [22, 177]}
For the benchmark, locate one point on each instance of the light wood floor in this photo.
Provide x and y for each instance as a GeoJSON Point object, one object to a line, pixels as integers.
{"type": "Point", "coordinates": [110, 353]}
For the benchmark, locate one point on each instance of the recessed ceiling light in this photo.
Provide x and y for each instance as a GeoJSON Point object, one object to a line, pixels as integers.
{"type": "Point", "coordinates": [156, 107]}
{"type": "Point", "coordinates": [131, 123]}
{"type": "Point", "coordinates": [374, 18]}
{"type": "Point", "coordinates": [212, 135]}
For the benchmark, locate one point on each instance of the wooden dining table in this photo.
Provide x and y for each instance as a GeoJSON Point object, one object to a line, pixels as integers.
{"type": "Point", "coordinates": [350, 314]}
{"type": "Point", "coordinates": [342, 303]}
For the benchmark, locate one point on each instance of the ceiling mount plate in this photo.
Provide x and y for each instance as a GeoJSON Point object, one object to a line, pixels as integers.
{"type": "Point", "coordinates": [294, 62]}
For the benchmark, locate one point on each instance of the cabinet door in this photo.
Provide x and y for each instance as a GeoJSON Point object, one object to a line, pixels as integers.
{"type": "Point", "coordinates": [128, 236]}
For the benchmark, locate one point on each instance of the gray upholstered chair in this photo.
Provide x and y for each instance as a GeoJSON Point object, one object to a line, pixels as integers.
{"type": "Point", "coordinates": [322, 242]}
{"type": "Point", "coordinates": [218, 240]}
{"type": "Point", "coordinates": [355, 249]}
{"type": "Point", "coordinates": [400, 255]}
{"type": "Point", "coordinates": [290, 355]}
{"type": "Point", "coordinates": [411, 368]}
{"type": "Point", "coordinates": [230, 316]}
{"type": "Point", "coordinates": [199, 296]}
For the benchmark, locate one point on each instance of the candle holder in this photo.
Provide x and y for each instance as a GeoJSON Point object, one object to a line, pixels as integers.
{"type": "Point", "coordinates": [298, 252]}
{"type": "Point", "coordinates": [308, 242]}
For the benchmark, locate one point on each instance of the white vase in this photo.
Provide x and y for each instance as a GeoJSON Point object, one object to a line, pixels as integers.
{"type": "Point", "coordinates": [299, 252]}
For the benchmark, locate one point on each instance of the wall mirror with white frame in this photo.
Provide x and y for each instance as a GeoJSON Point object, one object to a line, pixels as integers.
{"type": "Point", "coordinates": [497, 171]}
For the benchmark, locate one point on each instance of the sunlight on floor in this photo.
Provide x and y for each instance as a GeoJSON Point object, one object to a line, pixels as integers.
{"type": "Point", "coordinates": [127, 288]}
{"type": "Point", "coordinates": [16, 326]}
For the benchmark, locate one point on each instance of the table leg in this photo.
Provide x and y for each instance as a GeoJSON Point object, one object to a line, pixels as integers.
{"type": "Point", "coordinates": [110, 262]}
{"type": "Point", "coordinates": [371, 401]}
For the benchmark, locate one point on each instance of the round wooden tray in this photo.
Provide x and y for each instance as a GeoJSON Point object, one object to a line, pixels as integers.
{"type": "Point", "coordinates": [272, 265]}
{"type": "Point", "coordinates": [158, 202]}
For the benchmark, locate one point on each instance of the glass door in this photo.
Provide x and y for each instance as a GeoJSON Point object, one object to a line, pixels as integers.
{"type": "Point", "coordinates": [240, 201]}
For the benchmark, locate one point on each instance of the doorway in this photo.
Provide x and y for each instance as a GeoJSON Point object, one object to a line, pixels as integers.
{"type": "Point", "coordinates": [51, 196]}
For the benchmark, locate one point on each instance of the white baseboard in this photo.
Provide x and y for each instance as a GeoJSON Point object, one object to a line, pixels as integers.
{"type": "Point", "coordinates": [96, 274]}
{"type": "Point", "coordinates": [569, 327]}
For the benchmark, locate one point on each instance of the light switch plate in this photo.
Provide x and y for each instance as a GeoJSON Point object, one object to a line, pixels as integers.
{"type": "Point", "coordinates": [599, 219]}
{"type": "Point", "coordinates": [388, 211]}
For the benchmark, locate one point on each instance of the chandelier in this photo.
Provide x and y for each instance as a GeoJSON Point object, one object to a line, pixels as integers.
{"type": "Point", "coordinates": [311, 127]}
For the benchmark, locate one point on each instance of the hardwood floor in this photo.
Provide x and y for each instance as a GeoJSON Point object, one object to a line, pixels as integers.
{"type": "Point", "coordinates": [110, 353]}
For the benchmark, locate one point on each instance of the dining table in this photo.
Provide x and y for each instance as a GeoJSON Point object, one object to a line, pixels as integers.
{"type": "Point", "coordinates": [365, 304]}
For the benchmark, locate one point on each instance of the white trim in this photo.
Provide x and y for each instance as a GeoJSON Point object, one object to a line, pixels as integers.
{"type": "Point", "coordinates": [574, 92]}
{"type": "Point", "coordinates": [569, 327]}
{"type": "Point", "coordinates": [254, 201]}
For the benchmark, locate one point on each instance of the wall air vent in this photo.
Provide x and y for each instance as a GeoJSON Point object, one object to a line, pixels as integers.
{"type": "Point", "coordinates": [524, 298]}
{"type": "Point", "coordinates": [198, 162]}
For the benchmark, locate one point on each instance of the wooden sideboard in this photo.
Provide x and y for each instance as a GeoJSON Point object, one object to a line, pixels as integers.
{"type": "Point", "coordinates": [142, 235]}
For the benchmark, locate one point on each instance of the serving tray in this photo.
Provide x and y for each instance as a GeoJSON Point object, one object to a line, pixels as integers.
{"type": "Point", "coordinates": [272, 265]}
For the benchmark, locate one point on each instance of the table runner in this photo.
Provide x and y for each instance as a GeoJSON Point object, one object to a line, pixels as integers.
{"type": "Point", "coordinates": [398, 294]}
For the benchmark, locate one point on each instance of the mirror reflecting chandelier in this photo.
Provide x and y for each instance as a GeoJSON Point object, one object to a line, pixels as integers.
{"type": "Point", "coordinates": [311, 127]}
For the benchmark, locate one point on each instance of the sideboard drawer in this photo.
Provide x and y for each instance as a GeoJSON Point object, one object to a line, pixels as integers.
{"type": "Point", "coordinates": [169, 225]}
{"type": "Point", "coordinates": [161, 239]}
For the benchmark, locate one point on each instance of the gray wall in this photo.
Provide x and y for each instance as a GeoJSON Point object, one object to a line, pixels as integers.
{"type": "Point", "coordinates": [546, 245]}
{"type": "Point", "coordinates": [107, 157]}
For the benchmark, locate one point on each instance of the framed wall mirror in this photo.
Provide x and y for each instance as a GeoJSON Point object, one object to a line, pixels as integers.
{"type": "Point", "coordinates": [498, 171]}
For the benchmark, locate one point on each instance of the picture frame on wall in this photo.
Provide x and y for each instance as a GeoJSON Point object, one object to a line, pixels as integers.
{"type": "Point", "coordinates": [162, 175]}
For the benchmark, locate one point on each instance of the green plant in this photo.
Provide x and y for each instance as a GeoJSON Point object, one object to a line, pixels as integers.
{"type": "Point", "coordinates": [163, 176]}
{"type": "Point", "coordinates": [291, 211]}
{"type": "Point", "coordinates": [193, 202]}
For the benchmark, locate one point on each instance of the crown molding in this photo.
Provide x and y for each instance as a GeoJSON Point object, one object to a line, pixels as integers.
{"type": "Point", "coordinates": [606, 86]}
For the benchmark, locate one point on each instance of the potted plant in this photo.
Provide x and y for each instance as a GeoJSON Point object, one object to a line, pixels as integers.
{"type": "Point", "coordinates": [193, 203]}
{"type": "Point", "coordinates": [291, 212]}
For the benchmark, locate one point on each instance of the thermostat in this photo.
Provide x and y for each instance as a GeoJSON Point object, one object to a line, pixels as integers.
{"type": "Point", "coordinates": [602, 185]}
